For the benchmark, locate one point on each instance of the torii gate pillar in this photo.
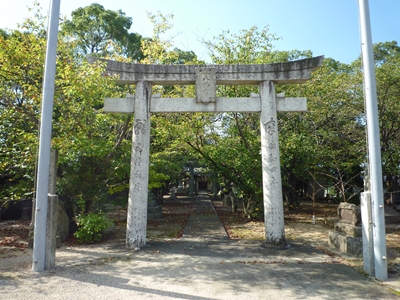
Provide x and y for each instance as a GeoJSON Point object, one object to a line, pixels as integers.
{"type": "Point", "coordinates": [136, 223]}
{"type": "Point", "coordinates": [271, 169]}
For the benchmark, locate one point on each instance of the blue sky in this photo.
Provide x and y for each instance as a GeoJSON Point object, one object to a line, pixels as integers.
{"type": "Point", "coordinates": [326, 27]}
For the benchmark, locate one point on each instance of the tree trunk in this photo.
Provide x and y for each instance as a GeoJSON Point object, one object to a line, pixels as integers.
{"type": "Point", "coordinates": [289, 190]}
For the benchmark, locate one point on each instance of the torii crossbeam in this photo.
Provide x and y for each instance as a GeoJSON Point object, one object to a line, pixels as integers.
{"type": "Point", "coordinates": [206, 78]}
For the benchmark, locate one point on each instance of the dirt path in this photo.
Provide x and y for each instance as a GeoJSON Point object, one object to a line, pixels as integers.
{"type": "Point", "coordinates": [15, 257]}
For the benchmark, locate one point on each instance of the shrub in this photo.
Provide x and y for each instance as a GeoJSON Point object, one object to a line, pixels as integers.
{"type": "Point", "coordinates": [91, 227]}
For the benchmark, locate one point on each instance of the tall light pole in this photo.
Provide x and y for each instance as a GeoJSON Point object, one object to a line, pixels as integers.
{"type": "Point", "coordinates": [374, 149]}
{"type": "Point", "coordinates": [39, 238]}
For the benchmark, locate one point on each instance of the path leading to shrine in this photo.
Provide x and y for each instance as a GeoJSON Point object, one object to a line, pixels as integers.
{"type": "Point", "coordinates": [203, 264]}
{"type": "Point", "coordinates": [204, 223]}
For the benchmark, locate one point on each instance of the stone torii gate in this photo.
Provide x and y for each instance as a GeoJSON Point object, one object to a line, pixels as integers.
{"type": "Point", "coordinates": [206, 78]}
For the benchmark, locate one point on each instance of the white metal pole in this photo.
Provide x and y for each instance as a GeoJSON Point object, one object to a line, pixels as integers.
{"type": "Point", "coordinates": [374, 150]}
{"type": "Point", "coordinates": [39, 238]}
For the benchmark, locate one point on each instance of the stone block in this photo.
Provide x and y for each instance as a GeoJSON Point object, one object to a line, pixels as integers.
{"type": "Point", "coordinates": [330, 222]}
{"type": "Point", "coordinates": [154, 209]}
{"type": "Point", "coordinates": [349, 213]}
{"type": "Point", "coordinates": [26, 214]}
{"type": "Point", "coordinates": [348, 229]}
{"type": "Point", "coordinates": [154, 216]}
{"type": "Point", "coordinates": [152, 203]}
{"type": "Point", "coordinates": [367, 234]}
{"type": "Point", "coordinates": [346, 244]}
{"type": "Point", "coordinates": [63, 222]}
{"type": "Point", "coordinates": [206, 85]}
{"type": "Point", "coordinates": [51, 232]}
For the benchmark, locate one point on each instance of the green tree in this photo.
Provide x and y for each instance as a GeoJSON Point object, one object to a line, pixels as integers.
{"type": "Point", "coordinates": [3, 33]}
{"type": "Point", "coordinates": [326, 144]}
{"type": "Point", "coordinates": [21, 73]}
{"type": "Point", "coordinates": [89, 142]}
{"type": "Point", "coordinates": [101, 32]}
{"type": "Point", "coordinates": [387, 59]}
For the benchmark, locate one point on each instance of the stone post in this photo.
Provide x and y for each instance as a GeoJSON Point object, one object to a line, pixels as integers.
{"type": "Point", "coordinates": [51, 224]}
{"type": "Point", "coordinates": [52, 189]}
{"type": "Point", "coordinates": [139, 178]}
{"type": "Point", "coordinates": [53, 171]}
{"type": "Point", "coordinates": [191, 182]}
{"type": "Point", "coordinates": [367, 234]}
{"type": "Point", "coordinates": [347, 236]}
{"type": "Point", "coordinates": [271, 169]}
{"type": "Point", "coordinates": [173, 193]}
{"type": "Point", "coordinates": [51, 232]}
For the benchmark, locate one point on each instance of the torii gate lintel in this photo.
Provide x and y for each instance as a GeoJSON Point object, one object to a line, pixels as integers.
{"type": "Point", "coordinates": [280, 73]}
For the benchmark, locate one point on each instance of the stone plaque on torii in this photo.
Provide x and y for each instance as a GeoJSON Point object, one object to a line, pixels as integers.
{"type": "Point", "coordinates": [206, 78]}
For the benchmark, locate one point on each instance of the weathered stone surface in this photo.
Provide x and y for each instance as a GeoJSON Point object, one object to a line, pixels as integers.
{"type": "Point", "coordinates": [348, 229]}
{"type": "Point", "coordinates": [26, 213]}
{"type": "Point", "coordinates": [206, 85]}
{"type": "Point", "coordinates": [120, 105]}
{"type": "Point", "coordinates": [289, 72]}
{"type": "Point", "coordinates": [53, 172]}
{"type": "Point", "coordinates": [349, 213]}
{"type": "Point", "coordinates": [271, 169]}
{"type": "Point", "coordinates": [63, 222]}
{"type": "Point", "coordinates": [139, 178]}
{"type": "Point", "coordinates": [346, 244]}
{"type": "Point", "coordinates": [154, 211]}
{"type": "Point", "coordinates": [330, 222]}
{"type": "Point", "coordinates": [51, 232]}
{"type": "Point", "coordinates": [251, 104]}
{"type": "Point", "coordinates": [367, 233]}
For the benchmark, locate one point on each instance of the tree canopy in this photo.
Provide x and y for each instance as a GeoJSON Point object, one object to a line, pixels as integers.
{"type": "Point", "coordinates": [323, 149]}
{"type": "Point", "coordinates": [98, 31]}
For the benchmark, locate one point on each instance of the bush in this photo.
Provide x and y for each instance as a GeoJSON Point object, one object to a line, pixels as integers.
{"type": "Point", "coordinates": [91, 227]}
